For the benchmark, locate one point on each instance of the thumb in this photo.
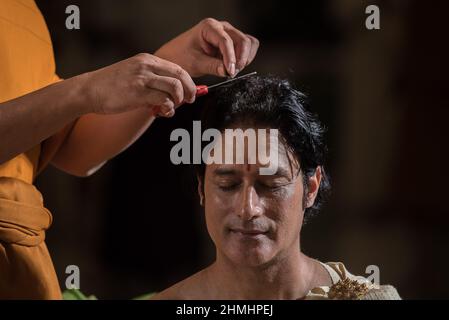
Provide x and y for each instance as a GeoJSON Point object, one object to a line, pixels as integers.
{"type": "Point", "coordinates": [212, 66]}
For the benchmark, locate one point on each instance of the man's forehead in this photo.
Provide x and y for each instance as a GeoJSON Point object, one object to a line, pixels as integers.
{"type": "Point", "coordinates": [284, 169]}
{"type": "Point", "coordinates": [232, 145]}
{"type": "Point", "coordinates": [268, 152]}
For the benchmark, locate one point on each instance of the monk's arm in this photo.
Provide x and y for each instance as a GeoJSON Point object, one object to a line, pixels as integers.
{"type": "Point", "coordinates": [28, 120]}
{"type": "Point", "coordinates": [121, 98]}
{"type": "Point", "coordinates": [110, 108]}
{"type": "Point", "coordinates": [95, 139]}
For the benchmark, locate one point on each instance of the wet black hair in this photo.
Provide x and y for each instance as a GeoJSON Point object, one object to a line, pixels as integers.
{"type": "Point", "coordinates": [273, 103]}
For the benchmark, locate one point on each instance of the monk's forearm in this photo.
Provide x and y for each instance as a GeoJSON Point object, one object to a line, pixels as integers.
{"type": "Point", "coordinates": [32, 118]}
{"type": "Point", "coordinates": [98, 138]}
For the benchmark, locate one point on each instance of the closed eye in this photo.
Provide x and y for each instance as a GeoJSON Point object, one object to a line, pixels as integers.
{"type": "Point", "coordinates": [229, 187]}
{"type": "Point", "coordinates": [272, 185]}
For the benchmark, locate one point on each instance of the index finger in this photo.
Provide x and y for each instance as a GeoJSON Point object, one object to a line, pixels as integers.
{"type": "Point", "coordinates": [215, 34]}
{"type": "Point", "coordinates": [242, 45]}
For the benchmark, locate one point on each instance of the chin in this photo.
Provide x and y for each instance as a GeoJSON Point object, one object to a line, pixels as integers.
{"type": "Point", "coordinates": [250, 256]}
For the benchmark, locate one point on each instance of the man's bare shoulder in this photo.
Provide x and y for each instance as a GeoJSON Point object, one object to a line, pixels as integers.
{"type": "Point", "coordinates": [191, 288]}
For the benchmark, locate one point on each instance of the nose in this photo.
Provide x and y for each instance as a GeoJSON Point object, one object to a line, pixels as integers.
{"type": "Point", "coordinates": [250, 206]}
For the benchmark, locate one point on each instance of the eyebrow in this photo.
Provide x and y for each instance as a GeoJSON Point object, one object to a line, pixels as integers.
{"type": "Point", "coordinates": [281, 172]}
{"type": "Point", "coordinates": [225, 172]}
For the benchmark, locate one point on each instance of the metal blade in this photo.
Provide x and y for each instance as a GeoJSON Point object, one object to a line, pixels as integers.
{"type": "Point", "coordinates": [231, 80]}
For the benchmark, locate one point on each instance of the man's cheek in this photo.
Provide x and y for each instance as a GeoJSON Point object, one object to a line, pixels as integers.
{"type": "Point", "coordinates": [223, 201]}
{"type": "Point", "coordinates": [287, 215]}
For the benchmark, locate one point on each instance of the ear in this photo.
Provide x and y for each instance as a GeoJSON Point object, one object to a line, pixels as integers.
{"type": "Point", "coordinates": [313, 187]}
{"type": "Point", "coordinates": [200, 190]}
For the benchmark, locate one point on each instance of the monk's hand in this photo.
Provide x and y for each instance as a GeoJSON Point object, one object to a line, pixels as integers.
{"type": "Point", "coordinates": [211, 48]}
{"type": "Point", "coordinates": [142, 81]}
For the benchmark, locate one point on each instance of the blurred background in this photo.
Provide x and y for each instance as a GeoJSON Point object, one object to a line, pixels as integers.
{"type": "Point", "coordinates": [382, 94]}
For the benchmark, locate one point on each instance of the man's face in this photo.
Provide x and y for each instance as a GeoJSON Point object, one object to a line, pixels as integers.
{"type": "Point", "coordinates": [252, 218]}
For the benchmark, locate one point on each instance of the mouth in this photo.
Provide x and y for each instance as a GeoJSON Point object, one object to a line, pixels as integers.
{"type": "Point", "coordinates": [248, 233]}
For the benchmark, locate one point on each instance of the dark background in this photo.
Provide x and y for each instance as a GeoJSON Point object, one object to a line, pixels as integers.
{"type": "Point", "coordinates": [136, 225]}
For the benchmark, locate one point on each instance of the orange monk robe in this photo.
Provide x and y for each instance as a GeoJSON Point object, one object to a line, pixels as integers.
{"type": "Point", "coordinates": [26, 64]}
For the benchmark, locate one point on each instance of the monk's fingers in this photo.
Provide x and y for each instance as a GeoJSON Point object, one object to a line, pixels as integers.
{"type": "Point", "coordinates": [242, 45]}
{"type": "Point", "coordinates": [213, 32]}
{"type": "Point", "coordinates": [171, 70]}
{"type": "Point", "coordinates": [161, 102]}
{"type": "Point", "coordinates": [254, 47]}
{"type": "Point", "coordinates": [169, 85]}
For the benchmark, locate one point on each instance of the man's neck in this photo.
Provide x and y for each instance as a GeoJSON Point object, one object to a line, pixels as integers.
{"type": "Point", "coordinates": [290, 277]}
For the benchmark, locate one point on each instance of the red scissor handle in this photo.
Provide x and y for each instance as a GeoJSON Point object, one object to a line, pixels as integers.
{"type": "Point", "coordinates": [201, 90]}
